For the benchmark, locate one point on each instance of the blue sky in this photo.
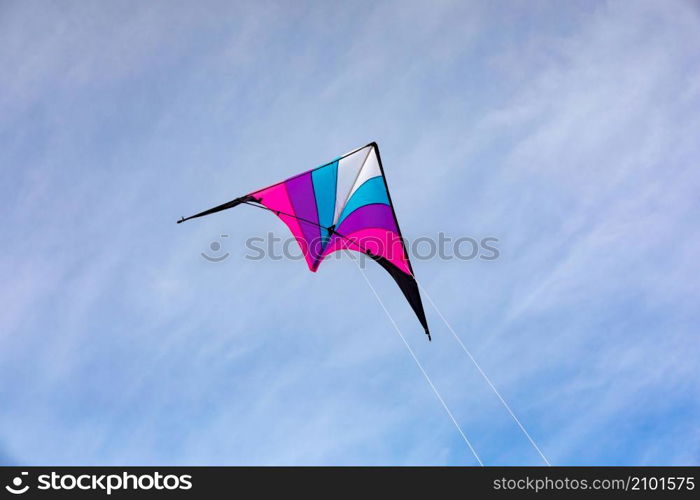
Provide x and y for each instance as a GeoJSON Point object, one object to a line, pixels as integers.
{"type": "Point", "coordinates": [566, 130]}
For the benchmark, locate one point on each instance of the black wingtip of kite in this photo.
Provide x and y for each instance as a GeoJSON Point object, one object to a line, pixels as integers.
{"type": "Point", "coordinates": [427, 332]}
{"type": "Point", "coordinates": [182, 219]}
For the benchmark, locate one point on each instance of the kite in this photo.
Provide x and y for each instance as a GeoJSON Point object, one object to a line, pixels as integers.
{"type": "Point", "coordinates": [342, 205]}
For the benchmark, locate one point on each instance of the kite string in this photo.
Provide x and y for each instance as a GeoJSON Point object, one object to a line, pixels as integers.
{"type": "Point", "coordinates": [420, 366]}
{"type": "Point", "coordinates": [464, 348]}
{"type": "Point", "coordinates": [483, 374]}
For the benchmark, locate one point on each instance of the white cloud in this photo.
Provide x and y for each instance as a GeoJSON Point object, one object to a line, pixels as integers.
{"type": "Point", "coordinates": [567, 134]}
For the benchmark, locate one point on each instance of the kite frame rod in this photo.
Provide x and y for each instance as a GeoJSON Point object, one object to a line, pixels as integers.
{"type": "Point", "coordinates": [224, 206]}
{"type": "Point", "coordinates": [302, 219]}
{"type": "Point", "coordinates": [248, 200]}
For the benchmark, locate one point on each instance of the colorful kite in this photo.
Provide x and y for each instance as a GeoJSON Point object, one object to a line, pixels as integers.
{"type": "Point", "coordinates": [344, 204]}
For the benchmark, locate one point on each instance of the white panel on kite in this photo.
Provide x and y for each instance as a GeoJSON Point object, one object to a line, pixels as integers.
{"type": "Point", "coordinates": [348, 170]}
{"type": "Point", "coordinates": [369, 170]}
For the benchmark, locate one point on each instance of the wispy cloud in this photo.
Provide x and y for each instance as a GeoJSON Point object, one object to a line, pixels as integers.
{"type": "Point", "coordinates": [568, 132]}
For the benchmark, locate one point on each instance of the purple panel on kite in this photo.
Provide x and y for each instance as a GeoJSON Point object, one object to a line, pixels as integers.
{"type": "Point", "coordinates": [301, 194]}
{"type": "Point", "coordinates": [375, 215]}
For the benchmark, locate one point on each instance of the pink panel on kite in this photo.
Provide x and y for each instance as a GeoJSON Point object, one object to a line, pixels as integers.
{"type": "Point", "coordinates": [384, 243]}
{"type": "Point", "coordinates": [276, 198]}
{"type": "Point", "coordinates": [379, 241]}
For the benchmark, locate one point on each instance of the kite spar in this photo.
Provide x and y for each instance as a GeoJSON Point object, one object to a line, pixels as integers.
{"type": "Point", "coordinates": [342, 205]}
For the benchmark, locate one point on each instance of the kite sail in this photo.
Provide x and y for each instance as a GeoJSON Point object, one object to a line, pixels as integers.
{"type": "Point", "coordinates": [344, 204]}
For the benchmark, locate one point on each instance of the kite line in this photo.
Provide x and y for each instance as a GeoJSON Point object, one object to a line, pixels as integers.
{"type": "Point", "coordinates": [393, 322]}
{"type": "Point", "coordinates": [254, 203]}
{"type": "Point", "coordinates": [420, 366]}
{"type": "Point", "coordinates": [449, 326]}
{"type": "Point", "coordinates": [483, 374]}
